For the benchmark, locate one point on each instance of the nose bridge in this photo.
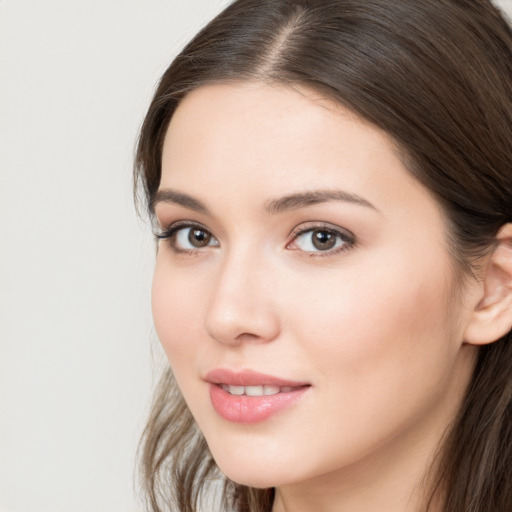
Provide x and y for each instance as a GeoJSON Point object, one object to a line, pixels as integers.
{"type": "Point", "coordinates": [241, 307]}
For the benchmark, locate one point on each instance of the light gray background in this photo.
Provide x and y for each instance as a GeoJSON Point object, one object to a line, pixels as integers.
{"type": "Point", "coordinates": [75, 324]}
{"type": "Point", "coordinates": [75, 263]}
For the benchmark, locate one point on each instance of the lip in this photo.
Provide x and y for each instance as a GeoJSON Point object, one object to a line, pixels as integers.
{"type": "Point", "coordinates": [249, 378]}
{"type": "Point", "coordinates": [251, 409]}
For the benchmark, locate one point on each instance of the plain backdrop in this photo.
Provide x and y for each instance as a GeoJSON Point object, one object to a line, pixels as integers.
{"type": "Point", "coordinates": [76, 78]}
{"type": "Point", "coordinates": [76, 360]}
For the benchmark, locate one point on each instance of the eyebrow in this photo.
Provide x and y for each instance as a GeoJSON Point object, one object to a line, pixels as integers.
{"type": "Point", "coordinates": [303, 199]}
{"type": "Point", "coordinates": [273, 207]}
{"type": "Point", "coordinates": [170, 196]}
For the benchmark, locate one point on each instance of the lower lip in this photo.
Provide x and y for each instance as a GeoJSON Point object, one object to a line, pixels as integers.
{"type": "Point", "coordinates": [251, 409]}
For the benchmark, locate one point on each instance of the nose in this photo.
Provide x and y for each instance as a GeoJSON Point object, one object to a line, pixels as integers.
{"type": "Point", "coordinates": [242, 308]}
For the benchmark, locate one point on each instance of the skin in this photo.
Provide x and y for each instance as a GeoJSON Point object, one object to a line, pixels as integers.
{"type": "Point", "coordinates": [374, 327]}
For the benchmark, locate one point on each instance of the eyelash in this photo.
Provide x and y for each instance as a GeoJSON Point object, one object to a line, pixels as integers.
{"type": "Point", "coordinates": [347, 238]}
{"type": "Point", "coordinates": [169, 235]}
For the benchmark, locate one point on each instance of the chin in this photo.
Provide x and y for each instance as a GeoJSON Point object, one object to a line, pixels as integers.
{"type": "Point", "coordinates": [251, 478]}
{"type": "Point", "coordinates": [258, 472]}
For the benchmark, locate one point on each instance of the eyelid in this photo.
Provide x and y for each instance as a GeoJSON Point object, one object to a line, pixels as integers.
{"type": "Point", "coordinates": [165, 231]}
{"type": "Point", "coordinates": [312, 226]}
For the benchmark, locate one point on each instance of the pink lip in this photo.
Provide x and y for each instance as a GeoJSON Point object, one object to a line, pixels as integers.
{"type": "Point", "coordinates": [251, 409]}
{"type": "Point", "coordinates": [249, 378]}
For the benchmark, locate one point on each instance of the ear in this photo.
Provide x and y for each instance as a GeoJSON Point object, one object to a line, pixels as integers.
{"type": "Point", "coordinates": [492, 316]}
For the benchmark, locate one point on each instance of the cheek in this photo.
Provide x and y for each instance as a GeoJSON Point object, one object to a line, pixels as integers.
{"type": "Point", "coordinates": [177, 312]}
{"type": "Point", "coordinates": [378, 331]}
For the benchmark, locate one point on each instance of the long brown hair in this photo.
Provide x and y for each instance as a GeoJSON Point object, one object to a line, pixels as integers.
{"type": "Point", "coordinates": [437, 76]}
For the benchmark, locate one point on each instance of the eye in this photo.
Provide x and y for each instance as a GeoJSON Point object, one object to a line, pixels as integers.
{"type": "Point", "coordinates": [192, 238]}
{"type": "Point", "coordinates": [188, 238]}
{"type": "Point", "coordinates": [321, 239]}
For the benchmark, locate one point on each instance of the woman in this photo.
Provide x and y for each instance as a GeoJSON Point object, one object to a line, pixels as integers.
{"type": "Point", "coordinates": [331, 188]}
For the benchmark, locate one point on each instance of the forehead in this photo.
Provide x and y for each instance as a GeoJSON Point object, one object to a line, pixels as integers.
{"type": "Point", "coordinates": [247, 139]}
{"type": "Point", "coordinates": [266, 124]}
{"type": "Point", "coordinates": [261, 109]}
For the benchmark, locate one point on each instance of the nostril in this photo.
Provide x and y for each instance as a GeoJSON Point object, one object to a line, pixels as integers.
{"type": "Point", "coordinates": [247, 336]}
{"type": "Point", "coordinates": [243, 328]}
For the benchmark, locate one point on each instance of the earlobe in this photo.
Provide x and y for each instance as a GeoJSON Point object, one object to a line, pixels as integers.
{"type": "Point", "coordinates": [492, 316]}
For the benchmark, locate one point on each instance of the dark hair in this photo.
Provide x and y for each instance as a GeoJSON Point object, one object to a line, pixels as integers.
{"type": "Point", "coordinates": [436, 75]}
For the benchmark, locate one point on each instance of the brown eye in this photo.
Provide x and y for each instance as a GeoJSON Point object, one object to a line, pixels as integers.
{"type": "Point", "coordinates": [323, 240]}
{"type": "Point", "coordinates": [199, 237]}
{"type": "Point", "coordinates": [190, 238]}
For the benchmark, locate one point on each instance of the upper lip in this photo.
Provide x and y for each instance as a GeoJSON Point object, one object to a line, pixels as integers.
{"type": "Point", "coordinates": [249, 378]}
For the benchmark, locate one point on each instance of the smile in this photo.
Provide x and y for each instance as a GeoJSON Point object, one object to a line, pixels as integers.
{"type": "Point", "coordinates": [265, 390]}
{"type": "Point", "coordinates": [251, 397]}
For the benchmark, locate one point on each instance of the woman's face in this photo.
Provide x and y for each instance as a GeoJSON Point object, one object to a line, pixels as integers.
{"type": "Point", "coordinates": [304, 265]}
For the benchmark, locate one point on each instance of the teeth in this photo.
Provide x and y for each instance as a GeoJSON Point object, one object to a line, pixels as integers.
{"type": "Point", "coordinates": [271, 390]}
{"type": "Point", "coordinates": [255, 390]}
{"type": "Point", "coordinates": [236, 390]}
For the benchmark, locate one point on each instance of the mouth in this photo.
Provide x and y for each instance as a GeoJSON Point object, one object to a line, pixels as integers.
{"type": "Point", "coordinates": [252, 397]}
{"type": "Point", "coordinates": [263, 390]}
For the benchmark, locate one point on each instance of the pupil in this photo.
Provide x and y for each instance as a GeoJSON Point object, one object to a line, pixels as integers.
{"type": "Point", "coordinates": [323, 240]}
{"type": "Point", "coordinates": [198, 237]}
